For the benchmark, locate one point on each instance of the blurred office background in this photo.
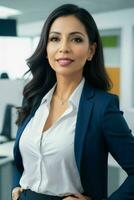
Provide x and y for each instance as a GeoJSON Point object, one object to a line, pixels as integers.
{"type": "Point", "coordinates": [19, 36]}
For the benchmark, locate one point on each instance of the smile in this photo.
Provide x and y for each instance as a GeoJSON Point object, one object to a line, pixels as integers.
{"type": "Point", "coordinates": [64, 61]}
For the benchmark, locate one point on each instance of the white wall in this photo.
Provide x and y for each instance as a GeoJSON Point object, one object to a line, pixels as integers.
{"type": "Point", "coordinates": [123, 20]}
{"type": "Point", "coordinates": [13, 54]}
{"type": "Point", "coordinates": [30, 29]}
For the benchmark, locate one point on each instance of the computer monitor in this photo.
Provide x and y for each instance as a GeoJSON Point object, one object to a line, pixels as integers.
{"type": "Point", "coordinates": [11, 96]}
{"type": "Point", "coordinates": [9, 128]}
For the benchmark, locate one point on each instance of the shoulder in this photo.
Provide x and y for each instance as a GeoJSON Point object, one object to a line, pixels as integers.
{"type": "Point", "coordinates": [96, 92]}
{"type": "Point", "coordinates": [100, 97]}
{"type": "Point", "coordinates": [105, 96]}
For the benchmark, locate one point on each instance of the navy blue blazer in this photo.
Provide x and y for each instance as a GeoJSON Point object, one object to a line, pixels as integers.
{"type": "Point", "coordinates": [100, 128]}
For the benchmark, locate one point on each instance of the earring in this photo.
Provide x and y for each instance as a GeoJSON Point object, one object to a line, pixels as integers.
{"type": "Point", "coordinates": [89, 59]}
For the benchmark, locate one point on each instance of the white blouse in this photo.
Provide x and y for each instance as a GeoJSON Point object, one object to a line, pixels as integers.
{"type": "Point", "coordinates": [48, 158]}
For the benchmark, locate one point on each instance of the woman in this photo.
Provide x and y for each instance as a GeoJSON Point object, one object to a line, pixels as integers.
{"type": "Point", "coordinates": [69, 122]}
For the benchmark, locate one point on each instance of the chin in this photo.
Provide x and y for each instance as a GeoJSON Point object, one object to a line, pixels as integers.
{"type": "Point", "coordinates": [67, 73]}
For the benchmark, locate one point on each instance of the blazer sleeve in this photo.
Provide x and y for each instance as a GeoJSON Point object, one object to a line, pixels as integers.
{"type": "Point", "coordinates": [120, 143]}
{"type": "Point", "coordinates": [16, 177]}
{"type": "Point", "coordinates": [16, 174]}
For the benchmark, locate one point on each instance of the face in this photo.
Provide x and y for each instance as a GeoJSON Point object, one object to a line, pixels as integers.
{"type": "Point", "coordinates": [68, 46]}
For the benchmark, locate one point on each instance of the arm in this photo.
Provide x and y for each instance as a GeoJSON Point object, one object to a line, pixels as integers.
{"type": "Point", "coordinates": [120, 144]}
{"type": "Point", "coordinates": [16, 189]}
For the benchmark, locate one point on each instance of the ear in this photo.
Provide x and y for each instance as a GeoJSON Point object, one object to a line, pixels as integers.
{"type": "Point", "coordinates": [92, 49]}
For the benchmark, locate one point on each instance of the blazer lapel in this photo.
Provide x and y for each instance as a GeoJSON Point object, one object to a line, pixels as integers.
{"type": "Point", "coordinates": [83, 118]}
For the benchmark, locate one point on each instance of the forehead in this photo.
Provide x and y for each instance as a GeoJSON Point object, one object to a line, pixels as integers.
{"type": "Point", "coordinates": [67, 24]}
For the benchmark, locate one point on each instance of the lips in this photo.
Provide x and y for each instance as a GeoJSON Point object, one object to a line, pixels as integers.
{"type": "Point", "coordinates": [64, 61]}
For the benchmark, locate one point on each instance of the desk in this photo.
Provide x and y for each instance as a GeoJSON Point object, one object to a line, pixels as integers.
{"type": "Point", "coordinates": [6, 170]}
{"type": "Point", "coordinates": [6, 149]}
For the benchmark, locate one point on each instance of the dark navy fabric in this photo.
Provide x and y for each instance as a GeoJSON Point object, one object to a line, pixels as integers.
{"type": "Point", "coordinates": [30, 195]}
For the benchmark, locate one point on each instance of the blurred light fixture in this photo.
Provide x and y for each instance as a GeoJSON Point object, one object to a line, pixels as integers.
{"type": "Point", "coordinates": [7, 12]}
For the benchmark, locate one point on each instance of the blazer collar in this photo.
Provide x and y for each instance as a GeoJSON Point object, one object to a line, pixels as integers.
{"type": "Point", "coordinates": [88, 91]}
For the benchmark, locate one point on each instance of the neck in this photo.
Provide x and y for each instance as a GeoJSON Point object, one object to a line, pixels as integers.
{"type": "Point", "coordinates": [65, 86]}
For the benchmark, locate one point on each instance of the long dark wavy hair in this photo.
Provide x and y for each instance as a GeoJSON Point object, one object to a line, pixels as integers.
{"type": "Point", "coordinates": [44, 77]}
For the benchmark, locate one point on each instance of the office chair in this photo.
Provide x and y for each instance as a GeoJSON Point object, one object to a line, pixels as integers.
{"type": "Point", "coordinates": [5, 134]}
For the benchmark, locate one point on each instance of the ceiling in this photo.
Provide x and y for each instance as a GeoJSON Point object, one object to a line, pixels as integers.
{"type": "Point", "coordinates": [36, 10]}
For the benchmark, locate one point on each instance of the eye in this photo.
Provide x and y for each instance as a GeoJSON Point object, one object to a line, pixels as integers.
{"type": "Point", "coordinates": [77, 40]}
{"type": "Point", "coordinates": [54, 39]}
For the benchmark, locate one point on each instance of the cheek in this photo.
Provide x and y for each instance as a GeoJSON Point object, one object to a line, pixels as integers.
{"type": "Point", "coordinates": [50, 54]}
{"type": "Point", "coordinates": [82, 53]}
{"type": "Point", "coordinates": [51, 47]}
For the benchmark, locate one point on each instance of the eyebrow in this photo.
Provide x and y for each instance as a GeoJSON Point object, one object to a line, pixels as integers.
{"type": "Point", "coordinates": [72, 33]}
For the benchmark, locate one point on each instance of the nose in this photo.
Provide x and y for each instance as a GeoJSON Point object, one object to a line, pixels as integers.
{"type": "Point", "coordinates": [64, 47]}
